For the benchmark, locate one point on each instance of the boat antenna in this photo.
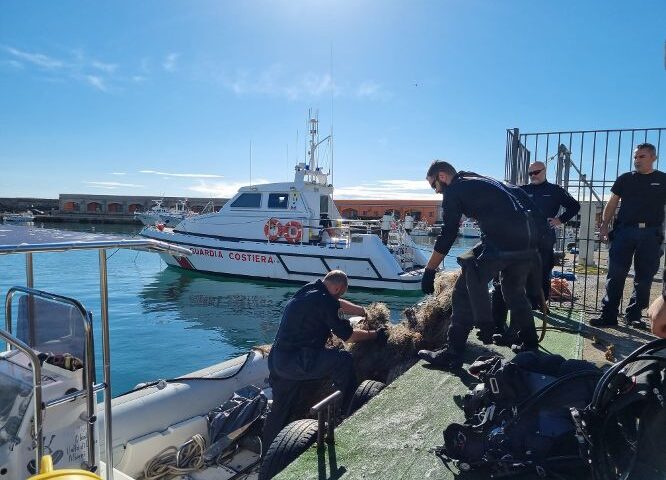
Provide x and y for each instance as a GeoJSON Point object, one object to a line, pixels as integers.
{"type": "Point", "coordinates": [332, 95]}
{"type": "Point", "coordinates": [250, 162]}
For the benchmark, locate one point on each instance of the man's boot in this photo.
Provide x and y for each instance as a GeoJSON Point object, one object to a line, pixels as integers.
{"type": "Point", "coordinates": [447, 358]}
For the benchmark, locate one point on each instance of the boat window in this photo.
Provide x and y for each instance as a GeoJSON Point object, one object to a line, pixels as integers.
{"type": "Point", "coordinates": [323, 204]}
{"type": "Point", "coordinates": [278, 200]}
{"type": "Point", "coordinates": [248, 200]}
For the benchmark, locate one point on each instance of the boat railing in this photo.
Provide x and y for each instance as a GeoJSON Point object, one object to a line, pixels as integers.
{"type": "Point", "coordinates": [35, 299]}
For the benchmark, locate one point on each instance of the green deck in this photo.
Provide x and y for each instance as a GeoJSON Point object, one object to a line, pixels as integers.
{"type": "Point", "coordinates": [390, 437]}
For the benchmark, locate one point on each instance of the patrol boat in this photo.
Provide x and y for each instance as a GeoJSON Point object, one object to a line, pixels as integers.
{"type": "Point", "coordinates": [293, 232]}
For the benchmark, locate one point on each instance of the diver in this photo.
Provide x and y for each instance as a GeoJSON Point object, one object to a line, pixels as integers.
{"type": "Point", "coordinates": [299, 353]}
{"type": "Point", "coordinates": [511, 230]}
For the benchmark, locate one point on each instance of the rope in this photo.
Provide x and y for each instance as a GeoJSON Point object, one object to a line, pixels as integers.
{"type": "Point", "coordinates": [172, 462]}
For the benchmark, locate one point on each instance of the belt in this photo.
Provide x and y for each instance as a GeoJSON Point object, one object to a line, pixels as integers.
{"type": "Point", "coordinates": [641, 224]}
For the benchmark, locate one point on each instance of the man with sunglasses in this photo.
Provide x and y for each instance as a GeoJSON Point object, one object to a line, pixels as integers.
{"type": "Point", "coordinates": [549, 199]}
{"type": "Point", "coordinates": [638, 235]}
{"type": "Point", "coordinates": [511, 229]}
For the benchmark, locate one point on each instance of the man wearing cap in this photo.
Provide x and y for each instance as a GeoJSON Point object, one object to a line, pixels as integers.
{"type": "Point", "coordinates": [638, 234]}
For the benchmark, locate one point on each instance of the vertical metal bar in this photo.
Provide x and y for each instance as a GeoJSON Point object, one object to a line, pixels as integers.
{"type": "Point", "coordinates": [321, 427]}
{"type": "Point", "coordinates": [603, 197]}
{"type": "Point", "coordinates": [330, 427]}
{"type": "Point", "coordinates": [514, 155]}
{"type": "Point", "coordinates": [29, 277]}
{"type": "Point", "coordinates": [106, 359]}
{"type": "Point", "coordinates": [89, 381]}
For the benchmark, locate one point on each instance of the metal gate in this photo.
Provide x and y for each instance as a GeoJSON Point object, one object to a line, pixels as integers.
{"type": "Point", "coordinates": [585, 163]}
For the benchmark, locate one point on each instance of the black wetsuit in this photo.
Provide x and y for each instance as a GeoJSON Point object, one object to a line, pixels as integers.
{"type": "Point", "coordinates": [511, 230]}
{"type": "Point", "coordinates": [299, 354]}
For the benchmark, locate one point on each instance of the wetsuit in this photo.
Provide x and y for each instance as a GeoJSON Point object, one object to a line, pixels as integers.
{"type": "Point", "coordinates": [510, 231]}
{"type": "Point", "coordinates": [299, 354]}
{"type": "Point", "coordinates": [638, 235]}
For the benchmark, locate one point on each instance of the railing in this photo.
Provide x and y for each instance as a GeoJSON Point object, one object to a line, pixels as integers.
{"type": "Point", "coordinates": [586, 164]}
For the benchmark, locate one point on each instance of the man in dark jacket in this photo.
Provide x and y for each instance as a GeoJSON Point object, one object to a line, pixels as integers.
{"type": "Point", "coordinates": [511, 230]}
{"type": "Point", "coordinates": [299, 354]}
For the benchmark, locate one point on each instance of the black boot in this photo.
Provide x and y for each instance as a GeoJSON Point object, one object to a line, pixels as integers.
{"type": "Point", "coordinates": [447, 358]}
{"type": "Point", "coordinates": [603, 321]}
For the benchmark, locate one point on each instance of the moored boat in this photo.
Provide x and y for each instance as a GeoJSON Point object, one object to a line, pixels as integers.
{"type": "Point", "coordinates": [292, 231]}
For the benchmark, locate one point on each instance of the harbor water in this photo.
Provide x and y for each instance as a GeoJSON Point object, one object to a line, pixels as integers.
{"type": "Point", "coordinates": [166, 322]}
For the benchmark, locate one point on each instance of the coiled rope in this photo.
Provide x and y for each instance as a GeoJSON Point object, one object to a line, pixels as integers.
{"type": "Point", "coordinates": [172, 461]}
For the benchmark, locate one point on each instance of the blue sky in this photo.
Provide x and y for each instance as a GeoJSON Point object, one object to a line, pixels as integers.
{"type": "Point", "coordinates": [165, 98]}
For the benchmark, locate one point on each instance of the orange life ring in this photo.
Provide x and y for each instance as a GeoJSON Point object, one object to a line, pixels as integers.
{"type": "Point", "coordinates": [293, 231]}
{"type": "Point", "coordinates": [272, 229]}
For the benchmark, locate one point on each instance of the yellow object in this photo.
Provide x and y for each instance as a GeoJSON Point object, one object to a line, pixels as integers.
{"type": "Point", "coordinates": [47, 472]}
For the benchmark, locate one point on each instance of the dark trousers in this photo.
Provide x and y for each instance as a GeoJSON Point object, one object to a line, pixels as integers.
{"type": "Point", "coordinates": [291, 369]}
{"type": "Point", "coordinates": [644, 247]}
{"type": "Point", "coordinates": [471, 304]}
{"type": "Point", "coordinates": [547, 263]}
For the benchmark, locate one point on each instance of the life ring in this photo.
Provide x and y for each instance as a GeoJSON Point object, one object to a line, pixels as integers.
{"type": "Point", "coordinates": [293, 231]}
{"type": "Point", "coordinates": [272, 229]}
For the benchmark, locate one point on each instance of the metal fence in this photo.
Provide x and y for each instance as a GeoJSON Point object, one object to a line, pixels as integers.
{"type": "Point", "coordinates": [585, 163]}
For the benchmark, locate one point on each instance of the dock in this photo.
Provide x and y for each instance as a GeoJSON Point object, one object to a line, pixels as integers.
{"type": "Point", "coordinates": [392, 436]}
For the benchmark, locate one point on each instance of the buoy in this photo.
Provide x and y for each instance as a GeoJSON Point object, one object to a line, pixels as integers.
{"type": "Point", "coordinates": [160, 227]}
{"type": "Point", "coordinates": [272, 229]}
{"type": "Point", "coordinates": [293, 231]}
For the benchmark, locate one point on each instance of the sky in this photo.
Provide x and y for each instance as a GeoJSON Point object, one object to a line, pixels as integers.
{"type": "Point", "coordinates": [197, 98]}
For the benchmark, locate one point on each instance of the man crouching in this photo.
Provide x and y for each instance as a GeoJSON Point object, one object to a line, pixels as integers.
{"type": "Point", "coordinates": [299, 353]}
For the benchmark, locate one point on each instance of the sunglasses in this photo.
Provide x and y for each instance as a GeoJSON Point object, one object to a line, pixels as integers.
{"type": "Point", "coordinates": [534, 172]}
{"type": "Point", "coordinates": [433, 184]}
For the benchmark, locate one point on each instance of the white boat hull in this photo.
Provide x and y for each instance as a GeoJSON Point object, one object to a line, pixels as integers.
{"type": "Point", "coordinates": [366, 265]}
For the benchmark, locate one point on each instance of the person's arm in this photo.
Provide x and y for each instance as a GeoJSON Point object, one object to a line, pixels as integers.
{"type": "Point", "coordinates": [609, 213]}
{"type": "Point", "coordinates": [657, 314]}
{"type": "Point", "coordinates": [451, 215]}
{"type": "Point", "coordinates": [570, 204]}
{"type": "Point", "coordinates": [350, 308]}
{"type": "Point", "coordinates": [362, 335]}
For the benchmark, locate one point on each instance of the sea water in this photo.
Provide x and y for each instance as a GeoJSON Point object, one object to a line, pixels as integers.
{"type": "Point", "coordinates": [165, 321]}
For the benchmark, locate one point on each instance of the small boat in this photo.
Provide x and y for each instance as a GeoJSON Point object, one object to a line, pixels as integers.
{"type": "Point", "coordinates": [159, 214]}
{"type": "Point", "coordinates": [421, 229]}
{"type": "Point", "coordinates": [48, 385]}
{"type": "Point", "coordinates": [23, 217]}
{"type": "Point", "coordinates": [469, 229]}
{"type": "Point", "coordinates": [293, 232]}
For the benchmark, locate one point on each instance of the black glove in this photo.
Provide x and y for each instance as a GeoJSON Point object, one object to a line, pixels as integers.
{"type": "Point", "coordinates": [428, 281]}
{"type": "Point", "coordinates": [382, 336]}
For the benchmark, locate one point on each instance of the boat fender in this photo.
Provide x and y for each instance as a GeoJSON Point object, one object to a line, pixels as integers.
{"type": "Point", "coordinates": [272, 229]}
{"type": "Point", "coordinates": [160, 227]}
{"type": "Point", "coordinates": [293, 231]}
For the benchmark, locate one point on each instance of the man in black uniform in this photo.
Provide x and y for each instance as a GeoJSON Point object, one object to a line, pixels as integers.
{"type": "Point", "coordinates": [549, 199]}
{"type": "Point", "coordinates": [638, 234]}
{"type": "Point", "coordinates": [299, 354]}
{"type": "Point", "coordinates": [511, 230]}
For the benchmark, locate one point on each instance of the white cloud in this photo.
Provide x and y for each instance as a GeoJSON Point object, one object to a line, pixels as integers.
{"type": "Point", "coordinates": [97, 82]}
{"type": "Point", "coordinates": [187, 175]}
{"type": "Point", "coordinates": [38, 59]}
{"type": "Point", "coordinates": [104, 67]}
{"type": "Point", "coordinates": [275, 81]}
{"type": "Point", "coordinates": [222, 189]}
{"type": "Point", "coordinates": [171, 62]}
{"type": "Point", "coordinates": [373, 91]}
{"type": "Point", "coordinates": [118, 173]}
{"type": "Point", "coordinates": [112, 185]}
{"type": "Point", "coordinates": [389, 189]}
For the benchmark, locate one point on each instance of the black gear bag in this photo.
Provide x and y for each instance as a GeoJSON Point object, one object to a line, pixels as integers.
{"type": "Point", "coordinates": [518, 419]}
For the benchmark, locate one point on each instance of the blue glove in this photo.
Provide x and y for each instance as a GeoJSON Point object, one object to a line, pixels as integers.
{"type": "Point", "coordinates": [428, 281]}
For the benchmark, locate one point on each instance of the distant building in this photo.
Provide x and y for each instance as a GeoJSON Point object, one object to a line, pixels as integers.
{"type": "Point", "coordinates": [427, 210]}
{"type": "Point", "coordinates": [70, 203]}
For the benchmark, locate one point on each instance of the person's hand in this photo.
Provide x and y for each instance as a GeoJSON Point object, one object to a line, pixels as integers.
{"type": "Point", "coordinates": [428, 281]}
{"type": "Point", "coordinates": [603, 233]}
{"type": "Point", "coordinates": [657, 314]}
{"type": "Point", "coordinates": [554, 222]}
{"type": "Point", "coordinates": [381, 336]}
